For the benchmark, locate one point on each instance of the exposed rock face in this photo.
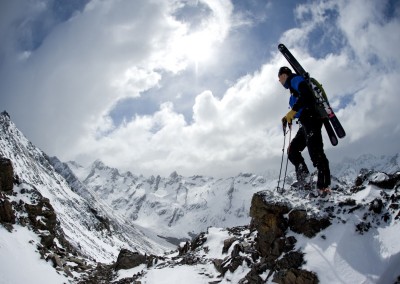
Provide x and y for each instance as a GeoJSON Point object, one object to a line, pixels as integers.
{"type": "Point", "coordinates": [295, 276]}
{"type": "Point", "coordinates": [272, 220]}
{"type": "Point", "coordinates": [300, 223]}
{"type": "Point", "coordinates": [43, 218]}
{"type": "Point", "coordinates": [269, 221]}
{"type": "Point", "coordinates": [7, 215]}
{"type": "Point", "coordinates": [6, 175]}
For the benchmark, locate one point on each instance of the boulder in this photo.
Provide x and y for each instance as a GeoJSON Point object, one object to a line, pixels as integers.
{"type": "Point", "coordinates": [128, 259]}
{"type": "Point", "coordinates": [300, 222]}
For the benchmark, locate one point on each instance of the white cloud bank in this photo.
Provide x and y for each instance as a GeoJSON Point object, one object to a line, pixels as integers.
{"type": "Point", "coordinates": [62, 93]}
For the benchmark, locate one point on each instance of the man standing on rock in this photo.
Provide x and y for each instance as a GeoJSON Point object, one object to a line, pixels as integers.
{"type": "Point", "coordinates": [303, 107]}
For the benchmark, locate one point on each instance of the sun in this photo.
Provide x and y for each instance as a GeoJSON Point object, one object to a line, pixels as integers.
{"type": "Point", "coordinates": [199, 47]}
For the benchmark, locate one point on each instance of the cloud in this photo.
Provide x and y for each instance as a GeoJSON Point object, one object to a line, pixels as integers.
{"type": "Point", "coordinates": [212, 112]}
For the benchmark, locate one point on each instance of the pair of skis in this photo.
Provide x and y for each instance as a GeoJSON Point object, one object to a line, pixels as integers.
{"type": "Point", "coordinates": [332, 124]}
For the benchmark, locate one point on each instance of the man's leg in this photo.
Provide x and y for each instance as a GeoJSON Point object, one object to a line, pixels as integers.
{"type": "Point", "coordinates": [297, 145]}
{"type": "Point", "coordinates": [316, 150]}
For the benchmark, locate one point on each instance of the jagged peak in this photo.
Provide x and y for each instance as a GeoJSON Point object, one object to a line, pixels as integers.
{"type": "Point", "coordinates": [75, 164]}
{"type": "Point", "coordinates": [5, 119]}
{"type": "Point", "coordinates": [5, 114]}
{"type": "Point", "coordinates": [99, 164]}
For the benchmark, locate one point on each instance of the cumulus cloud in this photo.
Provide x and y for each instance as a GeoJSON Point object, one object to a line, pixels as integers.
{"type": "Point", "coordinates": [109, 51]}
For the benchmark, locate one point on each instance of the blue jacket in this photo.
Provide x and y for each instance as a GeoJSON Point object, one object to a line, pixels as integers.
{"type": "Point", "coordinates": [301, 99]}
{"type": "Point", "coordinates": [292, 101]}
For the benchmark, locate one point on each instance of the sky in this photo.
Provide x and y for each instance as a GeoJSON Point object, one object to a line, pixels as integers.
{"type": "Point", "coordinates": [156, 86]}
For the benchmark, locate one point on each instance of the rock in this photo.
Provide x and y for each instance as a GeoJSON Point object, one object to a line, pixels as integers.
{"type": "Point", "coordinates": [128, 259]}
{"type": "Point", "coordinates": [42, 215]}
{"type": "Point", "coordinates": [387, 182]}
{"type": "Point", "coordinates": [252, 277]}
{"type": "Point", "coordinates": [6, 175]}
{"type": "Point", "coordinates": [6, 210]}
{"type": "Point", "coordinates": [56, 260]}
{"type": "Point", "coordinates": [295, 276]}
{"type": "Point", "coordinates": [376, 205]}
{"type": "Point", "coordinates": [271, 220]}
{"type": "Point", "coordinates": [290, 260]}
{"type": "Point", "coordinates": [268, 219]}
{"type": "Point", "coordinates": [300, 222]}
{"type": "Point", "coordinates": [227, 244]}
{"type": "Point", "coordinates": [198, 241]}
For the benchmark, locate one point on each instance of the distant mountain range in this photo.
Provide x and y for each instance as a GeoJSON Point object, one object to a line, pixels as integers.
{"type": "Point", "coordinates": [101, 210]}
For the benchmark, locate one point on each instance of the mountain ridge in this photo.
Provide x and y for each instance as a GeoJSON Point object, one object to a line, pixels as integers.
{"type": "Point", "coordinates": [34, 167]}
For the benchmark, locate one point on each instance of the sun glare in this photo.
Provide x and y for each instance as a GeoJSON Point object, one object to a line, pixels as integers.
{"type": "Point", "coordinates": [199, 47]}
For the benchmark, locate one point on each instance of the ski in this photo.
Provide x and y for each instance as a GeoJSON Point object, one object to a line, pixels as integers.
{"type": "Point", "coordinates": [331, 122]}
{"type": "Point", "coordinates": [329, 130]}
{"type": "Point", "coordinates": [324, 108]}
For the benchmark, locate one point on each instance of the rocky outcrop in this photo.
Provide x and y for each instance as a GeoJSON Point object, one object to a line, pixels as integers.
{"type": "Point", "coordinates": [128, 259]}
{"type": "Point", "coordinates": [379, 179]}
{"type": "Point", "coordinates": [6, 175]}
{"type": "Point", "coordinates": [7, 216]}
{"type": "Point", "coordinates": [25, 206]}
{"type": "Point", "coordinates": [300, 222]}
{"type": "Point", "coordinates": [272, 220]}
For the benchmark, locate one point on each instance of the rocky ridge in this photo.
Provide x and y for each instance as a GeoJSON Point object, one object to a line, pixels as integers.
{"type": "Point", "coordinates": [267, 249]}
{"type": "Point", "coordinates": [268, 245]}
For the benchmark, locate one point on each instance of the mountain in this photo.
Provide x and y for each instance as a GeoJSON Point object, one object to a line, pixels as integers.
{"type": "Point", "coordinates": [180, 207]}
{"type": "Point", "coordinates": [350, 237]}
{"type": "Point", "coordinates": [65, 223]}
{"type": "Point", "coordinates": [86, 223]}
{"type": "Point", "coordinates": [175, 207]}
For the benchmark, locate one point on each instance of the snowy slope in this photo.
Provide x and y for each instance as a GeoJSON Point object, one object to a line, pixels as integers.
{"type": "Point", "coordinates": [78, 219]}
{"type": "Point", "coordinates": [18, 252]}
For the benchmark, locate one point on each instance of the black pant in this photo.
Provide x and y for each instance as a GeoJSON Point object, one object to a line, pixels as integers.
{"type": "Point", "coordinates": [309, 135]}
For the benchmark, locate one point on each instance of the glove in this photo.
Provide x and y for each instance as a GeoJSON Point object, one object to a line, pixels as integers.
{"type": "Point", "coordinates": [289, 116]}
{"type": "Point", "coordinates": [284, 124]}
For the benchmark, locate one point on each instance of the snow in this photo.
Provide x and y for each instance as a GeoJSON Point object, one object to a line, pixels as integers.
{"type": "Point", "coordinates": [339, 254]}
{"type": "Point", "coordinates": [215, 242]}
{"type": "Point", "coordinates": [196, 274]}
{"type": "Point", "coordinates": [177, 275]}
{"type": "Point", "coordinates": [21, 263]}
{"type": "Point", "coordinates": [125, 273]}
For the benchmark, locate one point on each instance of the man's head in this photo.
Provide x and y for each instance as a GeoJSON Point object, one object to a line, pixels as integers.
{"type": "Point", "coordinates": [283, 73]}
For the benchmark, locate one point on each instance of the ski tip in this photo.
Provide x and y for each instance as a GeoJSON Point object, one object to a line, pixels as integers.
{"type": "Point", "coordinates": [341, 134]}
{"type": "Point", "coordinates": [281, 45]}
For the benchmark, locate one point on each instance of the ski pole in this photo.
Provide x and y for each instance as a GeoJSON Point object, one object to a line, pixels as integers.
{"type": "Point", "coordinates": [283, 153]}
{"type": "Point", "coordinates": [287, 159]}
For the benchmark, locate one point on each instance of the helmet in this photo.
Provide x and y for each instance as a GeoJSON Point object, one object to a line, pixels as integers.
{"type": "Point", "coordinates": [284, 70]}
